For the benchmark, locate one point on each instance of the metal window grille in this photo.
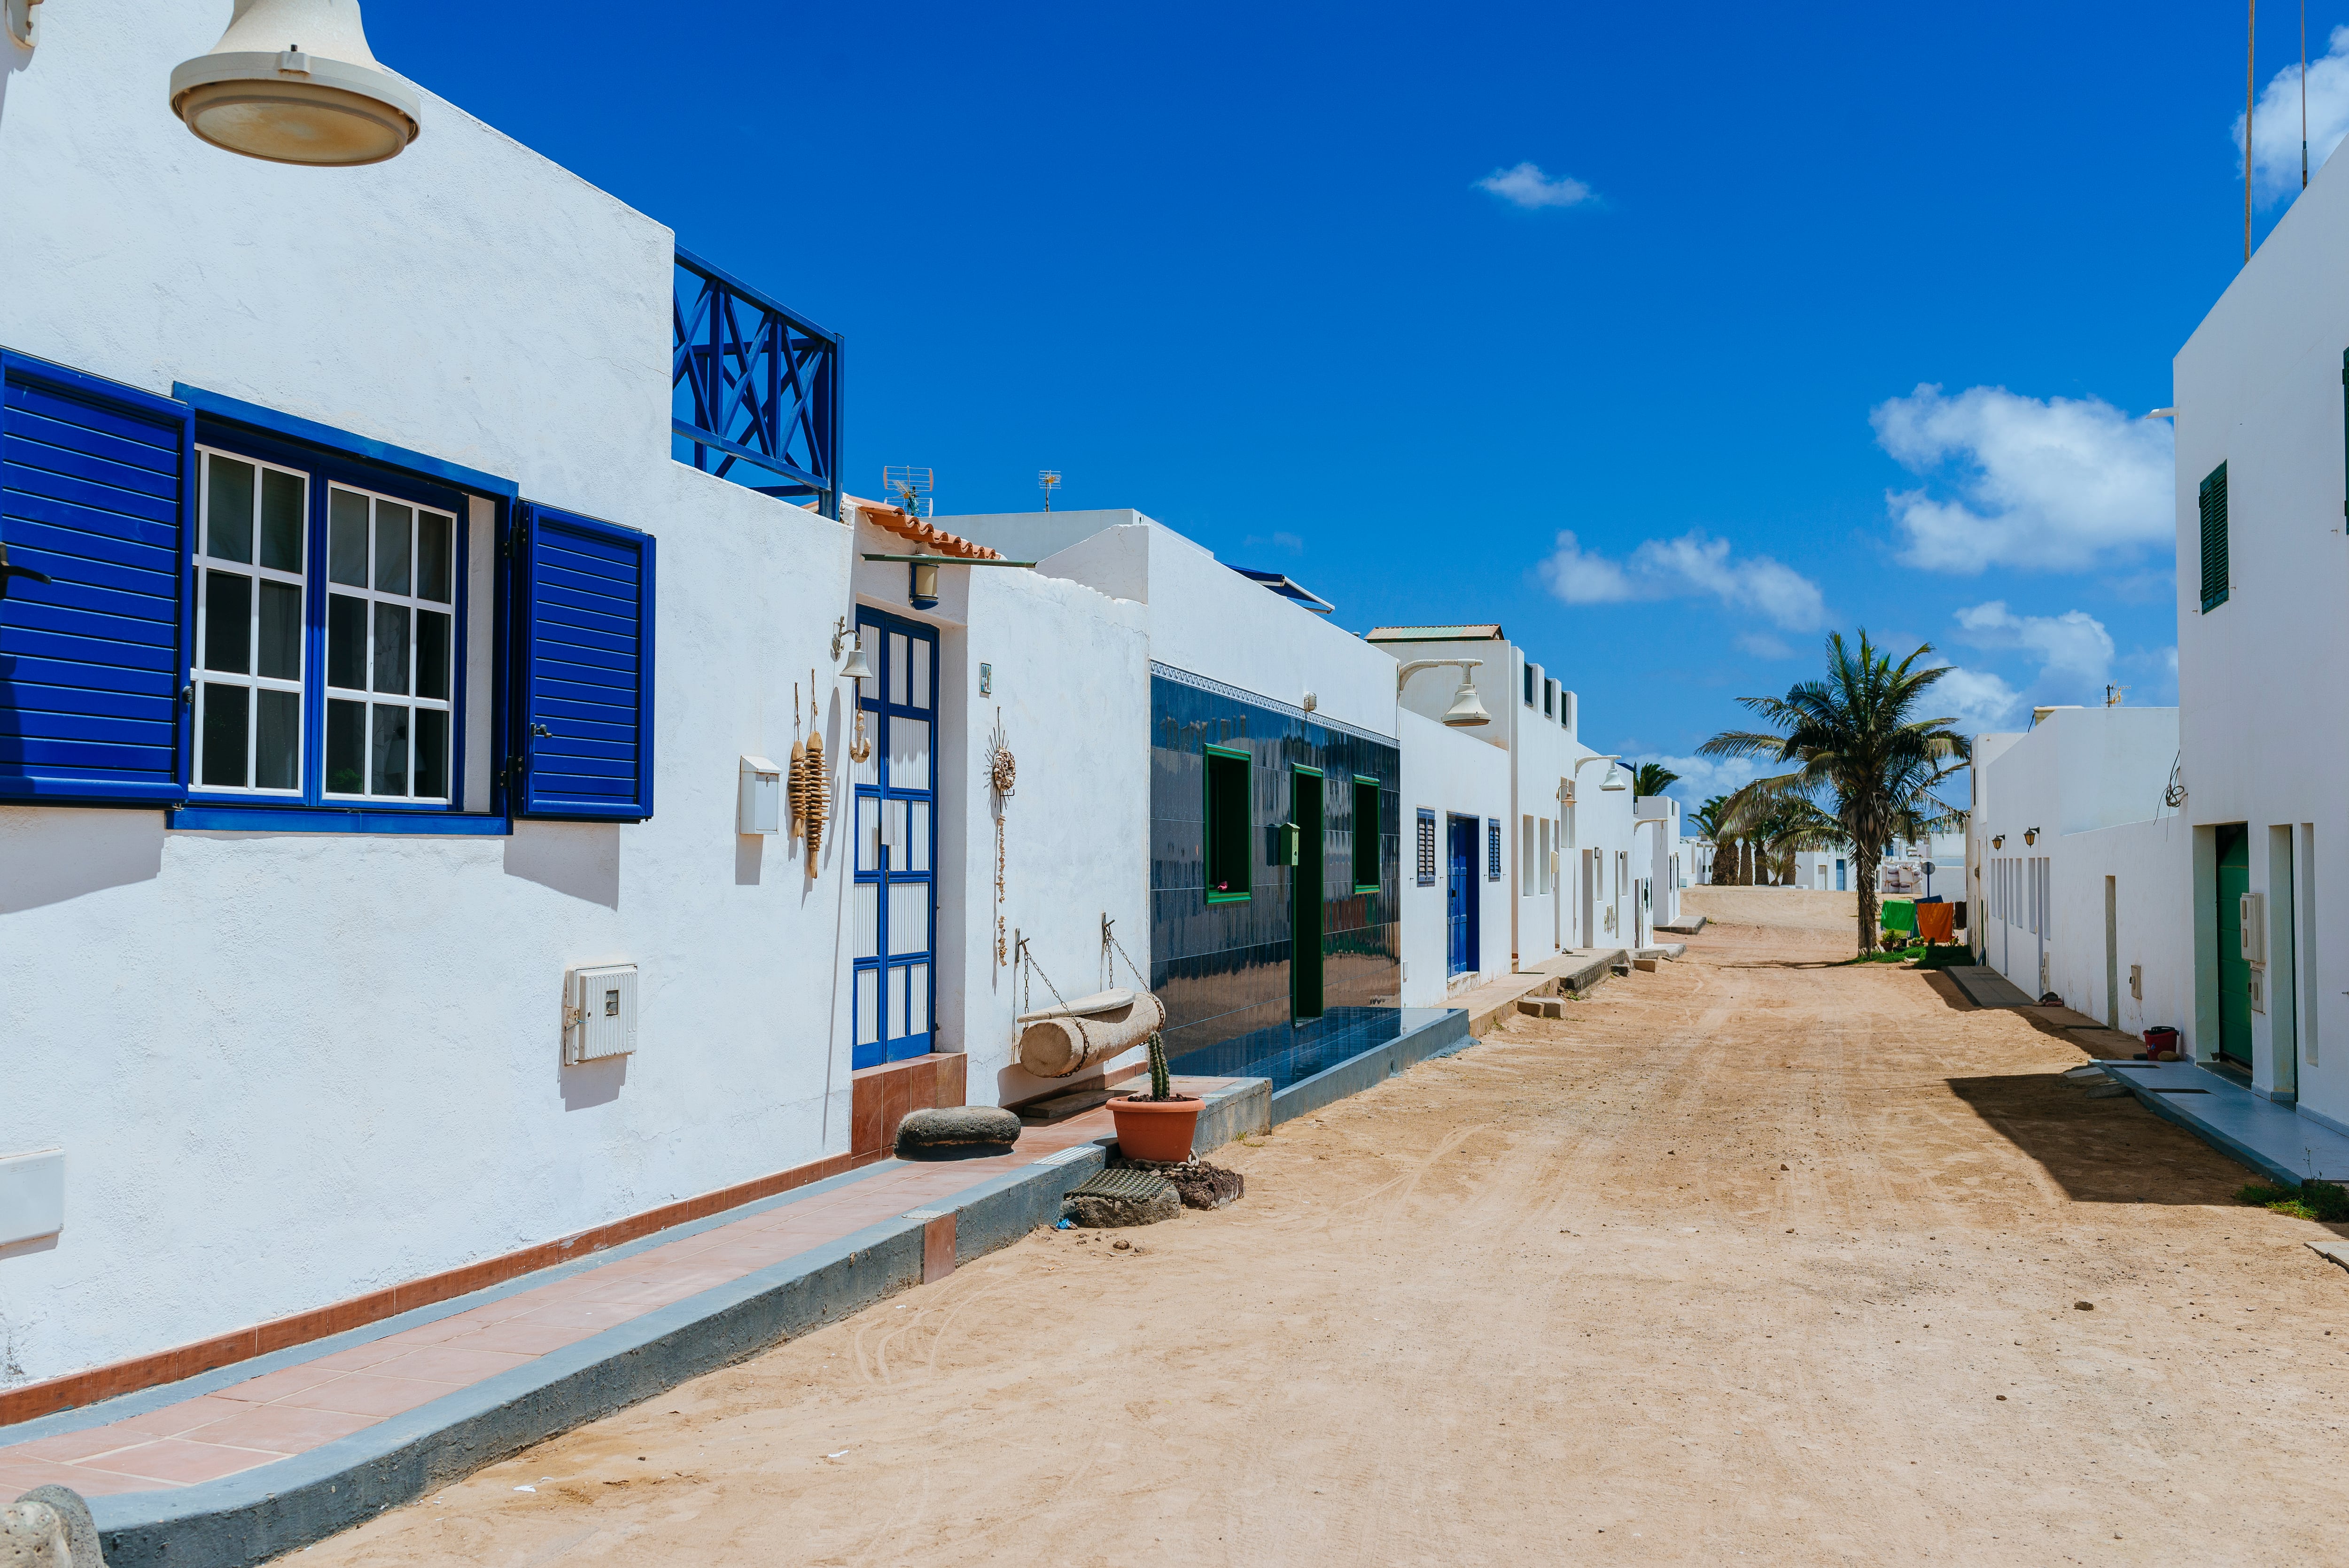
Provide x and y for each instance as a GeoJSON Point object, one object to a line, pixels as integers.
{"type": "Point", "coordinates": [1426, 847]}
{"type": "Point", "coordinates": [1493, 849]}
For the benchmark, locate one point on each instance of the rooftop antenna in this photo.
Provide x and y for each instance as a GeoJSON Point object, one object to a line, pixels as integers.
{"type": "Point", "coordinates": [1048, 481]}
{"type": "Point", "coordinates": [2250, 101]}
{"type": "Point", "coordinates": [2113, 694]}
{"type": "Point", "coordinates": [911, 485]}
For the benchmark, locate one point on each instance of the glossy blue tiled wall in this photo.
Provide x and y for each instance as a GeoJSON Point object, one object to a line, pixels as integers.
{"type": "Point", "coordinates": [1222, 969]}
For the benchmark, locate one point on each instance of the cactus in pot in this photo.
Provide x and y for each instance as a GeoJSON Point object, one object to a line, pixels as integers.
{"type": "Point", "coordinates": [1158, 1126]}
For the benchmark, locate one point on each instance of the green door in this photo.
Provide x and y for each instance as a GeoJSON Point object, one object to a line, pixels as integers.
{"type": "Point", "coordinates": [1305, 898]}
{"type": "Point", "coordinates": [2234, 971]}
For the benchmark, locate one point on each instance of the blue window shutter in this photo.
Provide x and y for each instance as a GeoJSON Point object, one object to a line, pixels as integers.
{"type": "Point", "coordinates": [97, 491]}
{"type": "Point", "coordinates": [584, 642]}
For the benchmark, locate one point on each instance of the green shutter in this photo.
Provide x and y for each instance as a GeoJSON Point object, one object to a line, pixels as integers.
{"type": "Point", "coordinates": [2214, 539]}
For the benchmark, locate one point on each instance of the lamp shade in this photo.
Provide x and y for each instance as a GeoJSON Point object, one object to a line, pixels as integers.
{"type": "Point", "coordinates": [1614, 779]}
{"type": "Point", "coordinates": [1466, 711]}
{"type": "Point", "coordinates": [293, 81]}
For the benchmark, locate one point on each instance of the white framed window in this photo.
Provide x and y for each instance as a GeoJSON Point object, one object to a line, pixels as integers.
{"type": "Point", "coordinates": [253, 523]}
{"type": "Point", "coordinates": [392, 575]}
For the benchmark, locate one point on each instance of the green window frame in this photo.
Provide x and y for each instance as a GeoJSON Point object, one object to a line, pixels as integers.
{"type": "Point", "coordinates": [1366, 842]}
{"type": "Point", "coordinates": [2213, 501]}
{"type": "Point", "coordinates": [1230, 864]}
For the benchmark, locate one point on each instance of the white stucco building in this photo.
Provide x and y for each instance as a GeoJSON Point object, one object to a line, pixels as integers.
{"type": "Point", "coordinates": [2076, 866]}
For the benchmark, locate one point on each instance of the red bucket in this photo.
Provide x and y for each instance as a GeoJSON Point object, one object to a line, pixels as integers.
{"type": "Point", "coordinates": [2160, 1039]}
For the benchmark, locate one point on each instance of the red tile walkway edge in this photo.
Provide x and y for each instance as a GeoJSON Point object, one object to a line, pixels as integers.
{"type": "Point", "coordinates": [237, 1470]}
{"type": "Point", "coordinates": [115, 1378]}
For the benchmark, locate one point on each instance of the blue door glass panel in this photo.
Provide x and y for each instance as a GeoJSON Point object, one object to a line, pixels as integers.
{"type": "Point", "coordinates": [1463, 891]}
{"type": "Point", "coordinates": [893, 827]}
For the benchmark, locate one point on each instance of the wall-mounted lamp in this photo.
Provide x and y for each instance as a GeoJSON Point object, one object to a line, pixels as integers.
{"type": "Point", "coordinates": [922, 588]}
{"type": "Point", "coordinates": [1467, 710]}
{"type": "Point", "coordinates": [1999, 842]}
{"type": "Point", "coordinates": [2030, 835]}
{"type": "Point", "coordinates": [1614, 779]}
{"type": "Point", "coordinates": [293, 81]}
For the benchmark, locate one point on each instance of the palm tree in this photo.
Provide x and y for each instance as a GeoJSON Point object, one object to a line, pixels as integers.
{"type": "Point", "coordinates": [1652, 778]}
{"type": "Point", "coordinates": [1857, 740]}
{"type": "Point", "coordinates": [1707, 821]}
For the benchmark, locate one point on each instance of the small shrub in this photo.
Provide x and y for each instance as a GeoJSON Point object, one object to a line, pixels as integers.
{"type": "Point", "coordinates": [2313, 1200]}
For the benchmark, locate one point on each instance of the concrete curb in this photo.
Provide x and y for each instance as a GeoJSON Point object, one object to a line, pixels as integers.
{"type": "Point", "coordinates": [1439, 1037]}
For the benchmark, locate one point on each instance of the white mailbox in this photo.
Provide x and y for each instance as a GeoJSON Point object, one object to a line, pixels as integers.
{"type": "Point", "coordinates": [2251, 913]}
{"type": "Point", "coordinates": [599, 1012]}
{"type": "Point", "coordinates": [32, 1195]}
{"type": "Point", "coordinates": [761, 807]}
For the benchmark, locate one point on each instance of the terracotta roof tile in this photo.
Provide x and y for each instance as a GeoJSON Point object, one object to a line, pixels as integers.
{"type": "Point", "coordinates": [918, 531]}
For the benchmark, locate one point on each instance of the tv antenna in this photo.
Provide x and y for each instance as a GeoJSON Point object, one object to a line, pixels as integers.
{"type": "Point", "coordinates": [1048, 481]}
{"type": "Point", "coordinates": [910, 486]}
{"type": "Point", "coordinates": [2113, 695]}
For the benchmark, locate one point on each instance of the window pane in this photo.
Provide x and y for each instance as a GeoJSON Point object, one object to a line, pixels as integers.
{"type": "Point", "coordinates": [869, 1008]}
{"type": "Point", "coordinates": [431, 754]}
{"type": "Point", "coordinates": [228, 513]}
{"type": "Point", "coordinates": [280, 631]}
{"type": "Point", "coordinates": [281, 520]}
{"type": "Point", "coordinates": [868, 833]}
{"type": "Point", "coordinates": [918, 999]}
{"type": "Point", "coordinates": [347, 547]}
{"type": "Point", "coordinates": [225, 717]}
{"type": "Point", "coordinates": [864, 912]}
{"type": "Point", "coordinates": [897, 1004]}
{"type": "Point", "coordinates": [909, 917]}
{"type": "Point", "coordinates": [391, 648]}
{"type": "Point", "coordinates": [228, 623]}
{"type": "Point", "coordinates": [918, 836]}
{"type": "Point", "coordinates": [909, 753]}
{"type": "Point", "coordinates": [391, 547]}
{"type": "Point", "coordinates": [434, 556]}
{"type": "Point", "coordinates": [346, 747]}
{"type": "Point", "coordinates": [388, 752]}
{"type": "Point", "coordinates": [431, 654]}
{"type": "Point", "coordinates": [277, 749]}
{"type": "Point", "coordinates": [346, 642]}
{"type": "Point", "coordinates": [923, 653]}
{"type": "Point", "coordinates": [897, 667]}
{"type": "Point", "coordinates": [893, 834]}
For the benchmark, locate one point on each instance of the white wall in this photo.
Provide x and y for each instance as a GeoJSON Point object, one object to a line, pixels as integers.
{"type": "Point", "coordinates": [2090, 766]}
{"type": "Point", "coordinates": [1447, 773]}
{"type": "Point", "coordinates": [2258, 386]}
{"type": "Point", "coordinates": [1203, 617]}
{"type": "Point", "coordinates": [289, 1069]}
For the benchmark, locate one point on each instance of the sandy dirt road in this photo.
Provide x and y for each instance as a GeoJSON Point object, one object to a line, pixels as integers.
{"type": "Point", "coordinates": [1757, 1259]}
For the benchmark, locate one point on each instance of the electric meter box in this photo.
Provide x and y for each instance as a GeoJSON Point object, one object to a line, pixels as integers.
{"type": "Point", "coordinates": [761, 807]}
{"type": "Point", "coordinates": [599, 1013]}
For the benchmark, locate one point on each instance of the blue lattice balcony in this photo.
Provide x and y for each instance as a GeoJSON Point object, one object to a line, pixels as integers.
{"type": "Point", "coordinates": [754, 388]}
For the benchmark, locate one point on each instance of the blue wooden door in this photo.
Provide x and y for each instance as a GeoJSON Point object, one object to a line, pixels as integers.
{"type": "Point", "coordinates": [894, 914]}
{"type": "Point", "coordinates": [1463, 891]}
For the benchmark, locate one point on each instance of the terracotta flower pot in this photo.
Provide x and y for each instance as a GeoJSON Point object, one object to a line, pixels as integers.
{"type": "Point", "coordinates": [1156, 1128]}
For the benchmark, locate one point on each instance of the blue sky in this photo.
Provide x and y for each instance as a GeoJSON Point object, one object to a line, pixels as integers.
{"type": "Point", "coordinates": [1397, 299]}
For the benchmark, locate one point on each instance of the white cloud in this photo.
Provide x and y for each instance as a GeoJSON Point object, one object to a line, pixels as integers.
{"type": "Point", "coordinates": [1977, 700]}
{"type": "Point", "coordinates": [1691, 567]}
{"type": "Point", "coordinates": [2060, 485]}
{"type": "Point", "coordinates": [1762, 646]}
{"type": "Point", "coordinates": [2075, 651]}
{"type": "Point", "coordinates": [1702, 778]}
{"type": "Point", "coordinates": [2275, 127]}
{"type": "Point", "coordinates": [1528, 186]}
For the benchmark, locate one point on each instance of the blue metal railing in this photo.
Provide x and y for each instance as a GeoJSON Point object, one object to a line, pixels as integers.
{"type": "Point", "coordinates": [753, 382]}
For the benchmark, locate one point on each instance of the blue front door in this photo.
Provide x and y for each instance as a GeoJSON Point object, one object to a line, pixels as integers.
{"type": "Point", "coordinates": [1459, 908]}
{"type": "Point", "coordinates": [897, 842]}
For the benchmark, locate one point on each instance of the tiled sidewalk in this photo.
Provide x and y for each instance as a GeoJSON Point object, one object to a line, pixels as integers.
{"type": "Point", "coordinates": [303, 1406]}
